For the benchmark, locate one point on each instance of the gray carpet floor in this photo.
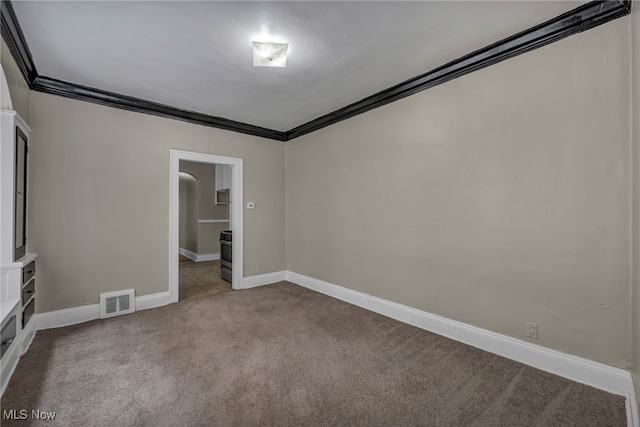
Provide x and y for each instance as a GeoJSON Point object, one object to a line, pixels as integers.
{"type": "Point", "coordinates": [282, 355]}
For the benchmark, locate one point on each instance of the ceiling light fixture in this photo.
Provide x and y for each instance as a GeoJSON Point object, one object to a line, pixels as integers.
{"type": "Point", "coordinates": [270, 54]}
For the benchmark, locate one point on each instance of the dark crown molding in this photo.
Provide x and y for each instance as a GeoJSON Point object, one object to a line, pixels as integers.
{"type": "Point", "coordinates": [580, 19]}
{"type": "Point", "coordinates": [97, 96]}
{"type": "Point", "coordinates": [12, 34]}
{"type": "Point", "coordinates": [575, 21]}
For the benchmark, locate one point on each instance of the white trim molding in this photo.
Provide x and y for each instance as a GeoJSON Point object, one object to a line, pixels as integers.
{"type": "Point", "coordinates": [601, 376]}
{"type": "Point", "coordinates": [28, 333]}
{"type": "Point", "coordinates": [187, 253]}
{"type": "Point", "coordinates": [67, 316]}
{"type": "Point", "coordinates": [9, 363]}
{"type": "Point", "coordinates": [207, 257]}
{"type": "Point", "coordinates": [198, 257]}
{"type": "Point", "coordinates": [263, 279]}
{"type": "Point", "coordinates": [152, 301]}
{"type": "Point", "coordinates": [235, 213]}
{"type": "Point", "coordinates": [633, 419]}
{"type": "Point", "coordinates": [86, 313]}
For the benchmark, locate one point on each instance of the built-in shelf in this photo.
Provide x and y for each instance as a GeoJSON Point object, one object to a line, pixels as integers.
{"type": "Point", "coordinates": [209, 221]}
{"type": "Point", "coordinates": [6, 306]}
{"type": "Point", "coordinates": [12, 279]}
{"type": "Point", "coordinates": [27, 258]}
{"type": "Point", "coordinates": [223, 184]}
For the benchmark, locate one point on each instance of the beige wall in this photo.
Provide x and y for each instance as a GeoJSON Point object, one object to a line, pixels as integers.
{"type": "Point", "coordinates": [100, 198]}
{"type": "Point", "coordinates": [205, 173]}
{"type": "Point", "coordinates": [18, 88]}
{"type": "Point", "coordinates": [188, 212]}
{"type": "Point", "coordinates": [635, 292]}
{"type": "Point", "coordinates": [209, 237]}
{"type": "Point", "coordinates": [495, 199]}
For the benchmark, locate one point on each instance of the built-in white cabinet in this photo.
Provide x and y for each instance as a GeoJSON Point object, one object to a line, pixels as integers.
{"type": "Point", "coordinates": [223, 184]}
{"type": "Point", "coordinates": [17, 266]}
{"type": "Point", "coordinates": [14, 137]}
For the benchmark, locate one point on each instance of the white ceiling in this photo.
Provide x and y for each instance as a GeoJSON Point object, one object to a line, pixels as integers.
{"type": "Point", "coordinates": [198, 55]}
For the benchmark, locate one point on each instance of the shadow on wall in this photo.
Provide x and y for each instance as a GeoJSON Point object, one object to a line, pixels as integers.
{"type": "Point", "coordinates": [188, 212]}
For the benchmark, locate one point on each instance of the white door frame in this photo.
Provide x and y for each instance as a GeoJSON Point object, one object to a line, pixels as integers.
{"type": "Point", "coordinates": [235, 214]}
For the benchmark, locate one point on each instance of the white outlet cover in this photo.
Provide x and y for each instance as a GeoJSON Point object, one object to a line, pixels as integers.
{"type": "Point", "coordinates": [251, 205]}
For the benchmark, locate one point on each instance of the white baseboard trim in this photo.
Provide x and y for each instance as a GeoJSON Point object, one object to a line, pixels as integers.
{"type": "Point", "coordinates": [604, 377]}
{"type": "Point", "coordinates": [198, 257]}
{"type": "Point", "coordinates": [263, 279]}
{"type": "Point", "coordinates": [152, 301]}
{"type": "Point", "coordinates": [27, 335]}
{"type": "Point", "coordinates": [85, 313]}
{"type": "Point", "coordinates": [207, 257]}
{"type": "Point", "coordinates": [67, 316]}
{"type": "Point", "coordinates": [191, 255]}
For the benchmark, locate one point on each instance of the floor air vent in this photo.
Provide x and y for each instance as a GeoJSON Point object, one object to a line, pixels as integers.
{"type": "Point", "coordinates": [117, 303]}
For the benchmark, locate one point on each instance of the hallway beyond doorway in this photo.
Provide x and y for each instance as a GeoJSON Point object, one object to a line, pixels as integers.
{"type": "Point", "coordinates": [200, 279]}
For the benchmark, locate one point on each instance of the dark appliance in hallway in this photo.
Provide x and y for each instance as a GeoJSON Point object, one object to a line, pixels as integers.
{"type": "Point", "coordinates": [226, 255]}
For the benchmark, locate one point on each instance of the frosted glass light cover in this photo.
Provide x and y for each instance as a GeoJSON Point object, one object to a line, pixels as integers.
{"type": "Point", "coordinates": [267, 54]}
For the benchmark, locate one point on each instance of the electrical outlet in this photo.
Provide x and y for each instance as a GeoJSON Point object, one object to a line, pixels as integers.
{"type": "Point", "coordinates": [532, 330]}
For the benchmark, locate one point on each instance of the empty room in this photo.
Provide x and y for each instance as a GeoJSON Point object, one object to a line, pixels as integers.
{"type": "Point", "coordinates": [320, 213]}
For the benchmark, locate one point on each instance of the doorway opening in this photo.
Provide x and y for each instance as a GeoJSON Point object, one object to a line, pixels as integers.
{"type": "Point", "coordinates": [203, 219]}
{"type": "Point", "coordinates": [192, 182]}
